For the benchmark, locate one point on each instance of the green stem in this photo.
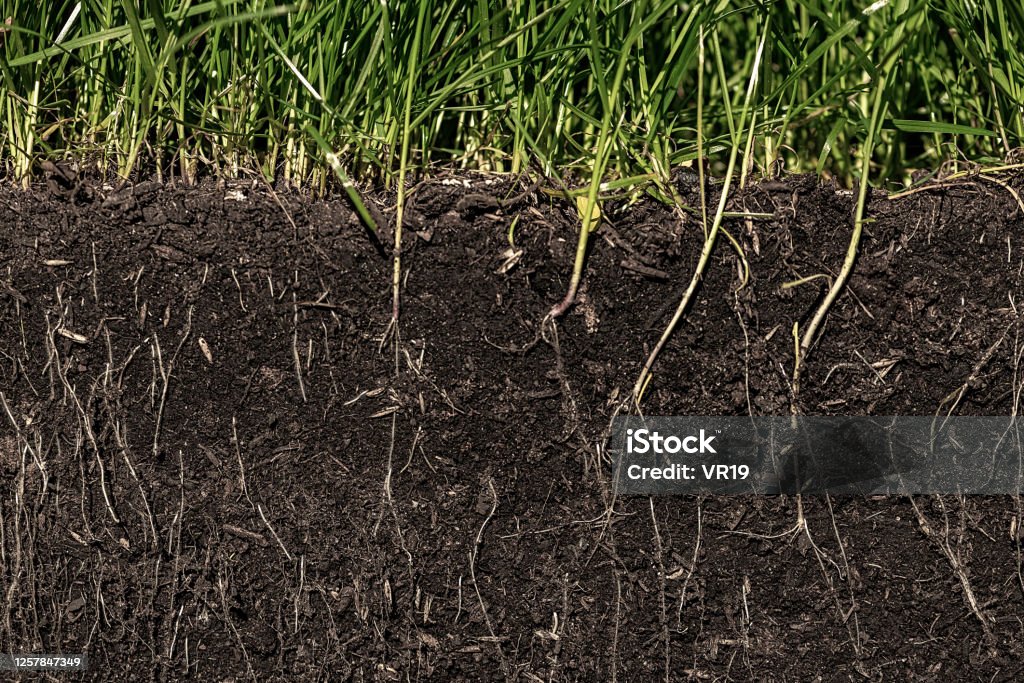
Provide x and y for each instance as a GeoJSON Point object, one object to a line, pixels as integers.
{"type": "Point", "coordinates": [603, 151]}
{"type": "Point", "coordinates": [878, 107]}
{"type": "Point", "coordinates": [712, 235]}
{"type": "Point", "coordinates": [396, 280]}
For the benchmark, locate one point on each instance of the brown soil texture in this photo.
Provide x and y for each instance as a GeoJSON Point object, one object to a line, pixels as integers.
{"type": "Point", "coordinates": [212, 468]}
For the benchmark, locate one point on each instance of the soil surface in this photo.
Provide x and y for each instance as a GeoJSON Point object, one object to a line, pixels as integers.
{"type": "Point", "coordinates": [214, 466]}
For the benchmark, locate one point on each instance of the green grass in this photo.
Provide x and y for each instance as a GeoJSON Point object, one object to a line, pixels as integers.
{"type": "Point", "coordinates": [596, 91]}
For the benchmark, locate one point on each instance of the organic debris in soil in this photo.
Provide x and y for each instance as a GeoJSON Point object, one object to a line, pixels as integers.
{"type": "Point", "coordinates": [211, 467]}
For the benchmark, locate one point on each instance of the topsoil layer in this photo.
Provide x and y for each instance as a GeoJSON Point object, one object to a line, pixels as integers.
{"type": "Point", "coordinates": [212, 467]}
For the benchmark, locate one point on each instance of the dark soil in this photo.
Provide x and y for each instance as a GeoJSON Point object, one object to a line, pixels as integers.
{"type": "Point", "coordinates": [211, 468]}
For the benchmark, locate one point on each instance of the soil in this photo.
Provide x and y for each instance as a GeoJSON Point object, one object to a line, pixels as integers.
{"type": "Point", "coordinates": [215, 466]}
